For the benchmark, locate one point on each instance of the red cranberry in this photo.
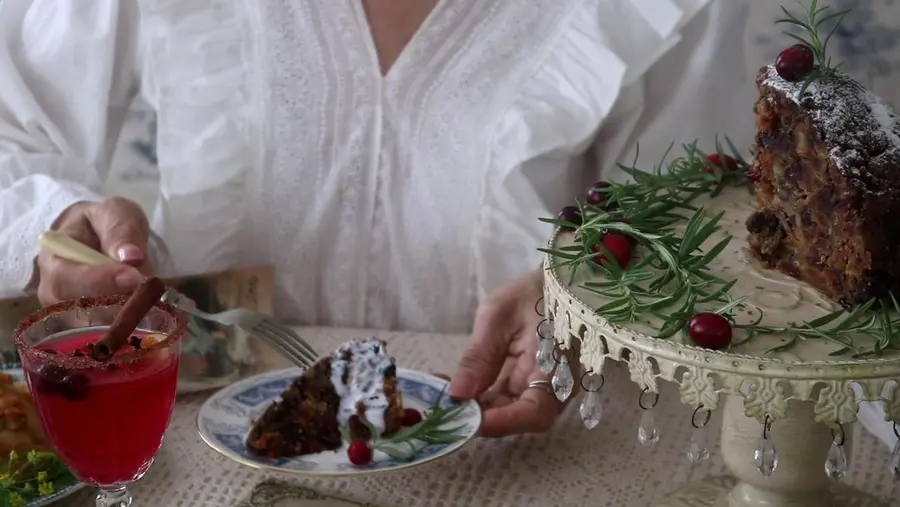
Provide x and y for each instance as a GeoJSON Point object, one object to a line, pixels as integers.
{"type": "Point", "coordinates": [618, 245]}
{"type": "Point", "coordinates": [722, 162]}
{"type": "Point", "coordinates": [710, 330]}
{"type": "Point", "coordinates": [75, 387]}
{"type": "Point", "coordinates": [631, 239]}
{"type": "Point", "coordinates": [49, 378]}
{"type": "Point", "coordinates": [53, 379]}
{"type": "Point", "coordinates": [570, 214]}
{"type": "Point", "coordinates": [360, 453]}
{"type": "Point", "coordinates": [596, 196]}
{"type": "Point", "coordinates": [411, 417]}
{"type": "Point", "coordinates": [795, 62]}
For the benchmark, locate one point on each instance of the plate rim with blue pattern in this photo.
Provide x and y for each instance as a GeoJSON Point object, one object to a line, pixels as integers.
{"type": "Point", "coordinates": [225, 418]}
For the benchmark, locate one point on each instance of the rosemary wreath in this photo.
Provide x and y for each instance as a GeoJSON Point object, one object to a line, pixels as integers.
{"type": "Point", "coordinates": [671, 277]}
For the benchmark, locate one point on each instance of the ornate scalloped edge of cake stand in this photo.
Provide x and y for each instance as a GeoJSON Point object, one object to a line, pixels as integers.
{"type": "Point", "coordinates": [766, 385]}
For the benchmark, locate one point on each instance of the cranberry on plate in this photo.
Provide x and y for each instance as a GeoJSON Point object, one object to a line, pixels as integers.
{"type": "Point", "coordinates": [411, 417]}
{"type": "Point", "coordinates": [570, 214]}
{"type": "Point", "coordinates": [723, 162]}
{"type": "Point", "coordinates": [596, 196]}
{"type": "Point", "coordinates": [710, 330]}
{"type": "Point", "coordinates": [360, 453]}
{"type": "Point", "coordinates": [618, 245]}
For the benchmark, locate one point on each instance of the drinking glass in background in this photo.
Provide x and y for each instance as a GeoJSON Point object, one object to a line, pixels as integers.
{"type": "Point", "coordinates": [105, 420]}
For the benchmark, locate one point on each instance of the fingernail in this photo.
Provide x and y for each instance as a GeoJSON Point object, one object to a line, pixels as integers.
{"type": "Point", "coordinates": [129, 279]}
{"type": "Point", "coordinates": [129, 253]}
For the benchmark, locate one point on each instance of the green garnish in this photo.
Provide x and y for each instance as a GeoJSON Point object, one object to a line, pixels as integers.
{"type": "Point", "coordinates": [430, 430]}
{"type": "Point", "coordinates": [37, 475]}
{"type": "Point", "coordinates": [879, 321]}
{"type": "Point", "coordinates": [672, 277]}
{"type": "Point", "coordinates": [811, 21]}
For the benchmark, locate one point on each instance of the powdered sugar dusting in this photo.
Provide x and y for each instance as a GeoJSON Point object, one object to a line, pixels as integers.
{"type": "Point", "coordinates": [888, 119]}
{"type": "Point", "coordinates": [860, 130]}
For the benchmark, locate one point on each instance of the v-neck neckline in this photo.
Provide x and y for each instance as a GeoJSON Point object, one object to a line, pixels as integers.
{"type": "Point", "coordinates": [419, 37]}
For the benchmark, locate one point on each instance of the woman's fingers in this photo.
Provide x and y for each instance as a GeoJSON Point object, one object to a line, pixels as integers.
{"type": "Point", "coordinates": [481, 364]}
{"type": "Point", "coordinates": [115, 226]}
{"type": "Point", "coordinates": [534, 411]}
{"type": "Point", "coordinates": [63, 280]}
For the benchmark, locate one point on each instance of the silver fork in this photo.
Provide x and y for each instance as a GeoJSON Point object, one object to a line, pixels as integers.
{"type": "Point", "coordinates": [287, 342]}
{"type": "Point", "coordinates": [282, 338]}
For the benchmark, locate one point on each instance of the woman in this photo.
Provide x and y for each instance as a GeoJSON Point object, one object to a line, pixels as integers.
{"type": "Point", "coordinates": [390, 157]}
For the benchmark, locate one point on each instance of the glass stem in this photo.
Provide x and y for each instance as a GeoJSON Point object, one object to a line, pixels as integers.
{"type": "Point", "coordinates": [113, 497]}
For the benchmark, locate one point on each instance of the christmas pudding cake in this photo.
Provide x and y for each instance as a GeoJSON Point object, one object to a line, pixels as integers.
{"type": "Point", "coordinates": [827, 180]}
{"type": "Point", "coordinates": [703, 269]}
{"type": "Point", "coordinates": [766, 257]}
{"type": "Point", "coordinates": [353, 391]}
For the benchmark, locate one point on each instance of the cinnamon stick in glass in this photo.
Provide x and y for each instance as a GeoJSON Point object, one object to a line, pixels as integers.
{"type": "Point", "coordinates": [138, 305]}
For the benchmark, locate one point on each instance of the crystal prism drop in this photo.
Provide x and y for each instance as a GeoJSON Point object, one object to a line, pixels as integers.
{"type": "Point", "coordinates": [544, 356]}
{"type": "Point", "coordinates": [697, 450]}
{"type": "Point", "coordinates": [765, 457]}
{"type": "Point", "coordinates": [648, 435]}
{"type": "Point", "coordinates": [563, 382]}
{"type": "Point", "coordinates": [591, 409]}
{"type": "Point", "coordinates": [836, 462]}
{"type": "Point", "coordinates": [895, 460]}
{"type": "Point", "coordinates": [545, 330]}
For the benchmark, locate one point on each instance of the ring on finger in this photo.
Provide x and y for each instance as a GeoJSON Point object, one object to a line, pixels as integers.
{"type": "Point", "coordinates": [543, 385]}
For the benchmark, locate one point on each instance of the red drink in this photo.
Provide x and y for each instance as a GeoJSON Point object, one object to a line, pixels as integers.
{"type": "Point", "coordinates": [104, 399]}
{"type": "Point", "coordinates": [106, 422]}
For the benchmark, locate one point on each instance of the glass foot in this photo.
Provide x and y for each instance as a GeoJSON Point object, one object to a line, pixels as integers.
{"type": "Point", "coordinates": [113, 497]}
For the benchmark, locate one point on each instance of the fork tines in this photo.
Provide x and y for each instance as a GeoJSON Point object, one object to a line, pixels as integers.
{"type": "Point", "coordinates": [287, 342]}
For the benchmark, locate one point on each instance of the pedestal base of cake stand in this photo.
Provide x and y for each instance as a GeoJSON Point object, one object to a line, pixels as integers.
{"type": "Point", "coordinates": [723, 491]}
{"type": "Point", "coordinates": [798, 481]}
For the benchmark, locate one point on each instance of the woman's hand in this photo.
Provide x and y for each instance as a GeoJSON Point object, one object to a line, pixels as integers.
{"type": "Point", "coordinates": [500, 362]}
{"type": "Point", "coordinates": [116, 227]}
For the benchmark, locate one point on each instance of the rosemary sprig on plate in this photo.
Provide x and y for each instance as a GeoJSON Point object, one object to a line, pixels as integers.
{"type": "Point", "coordinates": [404, 444]}
{"type": "Point", "coordinates": [879, 321]}
{"type": "Point", "coordinates": [681, 180]}
{"type": "Point", "coordinates": [811, 21]}
{"type": "Point", "coordinates": [672, 275]}
{"type": "Point", "coordinates": [670, 280]}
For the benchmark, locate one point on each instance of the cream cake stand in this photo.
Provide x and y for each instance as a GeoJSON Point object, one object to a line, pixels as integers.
{"type": "Point", "coordinates": [784, 414]}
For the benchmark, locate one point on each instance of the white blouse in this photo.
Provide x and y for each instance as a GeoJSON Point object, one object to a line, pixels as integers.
{"type": "Point", "coordinates": [392, 201]}
{"type": "Point", "coordinates": [383, 202]}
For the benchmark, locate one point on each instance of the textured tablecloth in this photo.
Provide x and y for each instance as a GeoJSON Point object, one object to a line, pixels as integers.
{"type": "Point", "coordinates": [570, 466]}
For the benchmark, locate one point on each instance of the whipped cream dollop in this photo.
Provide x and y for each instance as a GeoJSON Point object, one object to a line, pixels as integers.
{"type": "Point", "coordinates": [358, 370]}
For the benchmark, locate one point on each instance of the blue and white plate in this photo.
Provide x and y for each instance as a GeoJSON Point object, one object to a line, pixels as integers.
{"type": "Point", "coordinates": [225, 420]}
{"type": "Point", "coordinates": [63, 491]}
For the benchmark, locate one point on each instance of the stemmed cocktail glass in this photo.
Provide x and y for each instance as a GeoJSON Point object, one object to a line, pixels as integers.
{"type": "Point", "coordinates": [106, 419]}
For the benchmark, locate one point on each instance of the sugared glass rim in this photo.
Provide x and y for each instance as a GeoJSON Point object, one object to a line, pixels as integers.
{"type": "Point", "coordinates": [88, 303]}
